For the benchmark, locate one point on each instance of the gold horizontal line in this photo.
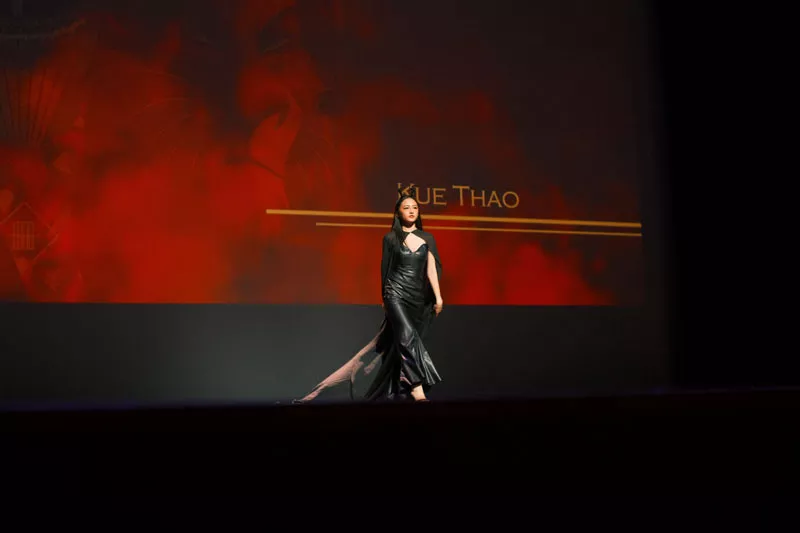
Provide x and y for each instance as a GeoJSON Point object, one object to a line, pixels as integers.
{"type": "Point", "coordinates": [458, 218]}
{"type": "Point", "coordinates": [497, 230]}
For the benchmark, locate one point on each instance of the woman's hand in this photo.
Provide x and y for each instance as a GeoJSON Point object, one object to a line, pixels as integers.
{"type": "Point", "coordinates": [438, 306]}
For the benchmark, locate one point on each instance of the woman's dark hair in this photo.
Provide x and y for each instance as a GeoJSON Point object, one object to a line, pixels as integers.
{"type": "Point", "coordinates": [397, 225]}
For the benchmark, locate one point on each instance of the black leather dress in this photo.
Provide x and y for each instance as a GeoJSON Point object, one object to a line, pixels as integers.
{"type": "Point", "coordinates": [408, 301]}
{"type": "Point", "coordinates": [406, 362]}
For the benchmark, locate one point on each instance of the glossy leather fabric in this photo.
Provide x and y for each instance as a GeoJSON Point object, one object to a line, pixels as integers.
{"type": "Point", "coordinates": [406, 362]}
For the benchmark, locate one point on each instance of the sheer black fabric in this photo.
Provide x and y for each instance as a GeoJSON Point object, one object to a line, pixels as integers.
{"type": "Point", "coordinates": [408, 304]}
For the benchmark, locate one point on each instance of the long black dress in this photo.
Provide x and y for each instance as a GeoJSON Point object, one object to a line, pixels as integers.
{"type": "Point", "coordinates": [408, 301]}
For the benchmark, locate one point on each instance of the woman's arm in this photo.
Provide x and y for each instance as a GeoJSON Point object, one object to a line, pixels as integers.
{"type": "Point", "coordinates": [433, 277]}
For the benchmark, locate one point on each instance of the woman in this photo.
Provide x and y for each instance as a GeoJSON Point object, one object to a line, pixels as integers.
{"type": "Point", "coordinates": [410, 274]}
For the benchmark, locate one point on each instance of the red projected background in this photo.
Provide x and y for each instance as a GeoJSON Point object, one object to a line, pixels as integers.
{"type": "Point", "coordinates": [250, 151]}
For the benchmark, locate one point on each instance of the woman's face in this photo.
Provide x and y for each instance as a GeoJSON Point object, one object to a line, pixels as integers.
{"type": "Point", "coordinates": [409, 211]}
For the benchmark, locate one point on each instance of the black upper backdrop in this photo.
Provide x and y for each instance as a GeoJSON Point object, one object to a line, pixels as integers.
{"type": "Point", "coordinates": [119, 353]}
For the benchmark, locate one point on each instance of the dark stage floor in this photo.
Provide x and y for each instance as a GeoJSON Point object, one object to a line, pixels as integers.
{"type": "Point", "coordinates": [728, 432]}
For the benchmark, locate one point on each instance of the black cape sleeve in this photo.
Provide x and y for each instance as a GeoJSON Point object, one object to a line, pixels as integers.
{"type": "Point", "coordinates": [431, 242]}
{"type": "Point", "coordinates": [386, 259]}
